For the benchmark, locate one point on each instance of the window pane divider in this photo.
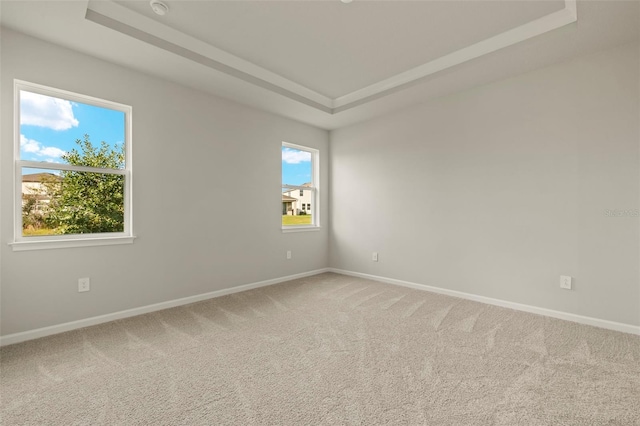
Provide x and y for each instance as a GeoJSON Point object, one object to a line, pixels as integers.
{"type": "Point", "coordinates": [69, 167]}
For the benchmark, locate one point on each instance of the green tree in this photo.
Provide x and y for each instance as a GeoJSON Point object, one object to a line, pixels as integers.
{"type": "Point", "coordinates": [31, 217]}
{"type": "Point", "coordinates": [88, 202]}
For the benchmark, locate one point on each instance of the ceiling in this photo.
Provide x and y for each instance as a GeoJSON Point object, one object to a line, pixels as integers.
{"type": "Point", "coordinates": [327, 63]}
{"type": "Point", "coordinates": [334, 48]}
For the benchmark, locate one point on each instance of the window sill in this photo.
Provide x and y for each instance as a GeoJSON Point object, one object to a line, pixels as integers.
{"type": "Point", "coordinates": [79, 242]}
{"type": "Point", "coordinates": [299, 229]}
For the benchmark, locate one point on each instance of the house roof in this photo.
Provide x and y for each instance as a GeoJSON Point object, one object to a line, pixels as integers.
{"type": "Point", "coordinates": [306, 185]}
{"type": "Point", "coordinates": [38, 177]}
{"type": "Point", "coordinates": [287, 198]}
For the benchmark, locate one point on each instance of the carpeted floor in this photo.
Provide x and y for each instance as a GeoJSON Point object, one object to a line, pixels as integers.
{"type": "Point", "coordinates": [330, 350]}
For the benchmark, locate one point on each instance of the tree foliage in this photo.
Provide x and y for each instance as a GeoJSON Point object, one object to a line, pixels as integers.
{"type": "Point", "coordinates": [88, 202]}
{"type": "Point", "coordinates": [32, 218]}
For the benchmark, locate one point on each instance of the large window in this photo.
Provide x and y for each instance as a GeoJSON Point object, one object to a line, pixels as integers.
{"type": "Point", "coordinates": [72, 169]}
{"type": "Point", "coordinates": [299, 187]}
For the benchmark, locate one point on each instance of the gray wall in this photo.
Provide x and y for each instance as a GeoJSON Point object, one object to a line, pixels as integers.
{"type": "Point", "coordinates": [206, 197]}
{"type": "Point", "coordinates": [495, 191]}
{"type": "Point", "coordinates": [499, 190]}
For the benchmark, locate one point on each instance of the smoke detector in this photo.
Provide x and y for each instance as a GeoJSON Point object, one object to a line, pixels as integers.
{"type": "Point", "coordinates": [158, 7]}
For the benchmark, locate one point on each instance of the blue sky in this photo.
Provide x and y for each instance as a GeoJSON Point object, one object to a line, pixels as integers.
{"type": "Point", "coordinates": [296, 166]}
{"type": "Point", "coordinates": [50, 126]}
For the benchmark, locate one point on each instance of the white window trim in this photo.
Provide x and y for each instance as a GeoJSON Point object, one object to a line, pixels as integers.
{"type": "Point", "coordinates": [300, 228]}
{"type": "Point", "coordinates": [315, 188]}
{"type": "Point", "coordinates": [22, 243]}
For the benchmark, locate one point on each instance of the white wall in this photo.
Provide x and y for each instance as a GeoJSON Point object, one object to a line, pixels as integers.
{"type": "Point", "coordinates": [192, 155]}
{"type": "Point", "coordinates": [499, 190]}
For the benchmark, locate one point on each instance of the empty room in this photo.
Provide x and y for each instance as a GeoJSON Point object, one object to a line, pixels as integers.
{"type": "Point", "coordinates": [333, 212]}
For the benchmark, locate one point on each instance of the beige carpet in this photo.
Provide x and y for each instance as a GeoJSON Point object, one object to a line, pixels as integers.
{"type": "Point", "coordinates": [329, 350]}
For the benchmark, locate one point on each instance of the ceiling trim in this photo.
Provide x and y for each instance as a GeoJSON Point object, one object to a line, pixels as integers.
{"type": "Point", "coordinates": [118, 18]}
{"type": "Point", "coordinates": [203, 59]}
{"type": "Point", "coordinates": [534, 28]}
{"type": "Point", "coordinates": [132, 24]}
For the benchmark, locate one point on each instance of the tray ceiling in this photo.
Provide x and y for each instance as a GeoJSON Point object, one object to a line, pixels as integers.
{"type": "Point", "coordinates": [334, 48]}
{"type": "Point", "coordinates": [327, 63]}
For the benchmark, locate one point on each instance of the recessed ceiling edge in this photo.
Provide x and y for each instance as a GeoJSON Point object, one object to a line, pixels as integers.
{"type": "Point", "coordinates": [122, 20]}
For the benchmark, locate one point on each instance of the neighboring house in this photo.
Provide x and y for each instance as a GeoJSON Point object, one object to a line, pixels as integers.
{"type": "Point", "coordinates": [297, 201]}
{"type": "Point", "coordinates": [288, 204]}
{"type": "Point", "coordinates": [33, 187]}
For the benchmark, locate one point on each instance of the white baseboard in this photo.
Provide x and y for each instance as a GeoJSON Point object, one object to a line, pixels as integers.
{"type": "Point", "coordinates": [74, 325]}
{"type": "Point", "coordinates": [610, 325]}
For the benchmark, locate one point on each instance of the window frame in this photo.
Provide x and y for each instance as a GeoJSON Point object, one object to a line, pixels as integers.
{"type": "Point", "coordinates": [21, 242]}
{"type": "Point", "coordinates": [314, 188]}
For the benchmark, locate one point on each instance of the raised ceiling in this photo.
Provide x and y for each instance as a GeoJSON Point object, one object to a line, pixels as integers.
{"type": "Point", "coordinates": [324, 62]}
{"type": "Point", "coordinates": [335, 48]}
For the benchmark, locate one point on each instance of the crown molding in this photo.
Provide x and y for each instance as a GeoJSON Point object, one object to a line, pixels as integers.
{"type": "Point", "coordinates": [118, 18]}
{"type": "Point", "coordinates": [507, 38]}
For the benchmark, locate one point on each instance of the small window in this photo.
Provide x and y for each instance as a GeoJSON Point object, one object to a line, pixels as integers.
{"type": "Point", "coordinates": [73, 167]}
{"type": "Point", "coordinates": [299, 187]}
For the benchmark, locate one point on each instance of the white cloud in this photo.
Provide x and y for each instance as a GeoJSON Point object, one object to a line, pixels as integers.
{"type": "Point", "coordinates": [45, 111]}
{"type": "Point", "coordinates": [51, 151]}
{"type": "Point", "coordinates": [293, 156]}
{"type": "Point", "coordinates": [29, 145]}
{"type": "Point", "coordinates": [32, 146]}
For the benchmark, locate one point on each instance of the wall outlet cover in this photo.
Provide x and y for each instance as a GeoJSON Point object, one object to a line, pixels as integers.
{"type": "Point", "coordinates": [565, 282]}
{"type": "Point", "coordinates": [84, 284]}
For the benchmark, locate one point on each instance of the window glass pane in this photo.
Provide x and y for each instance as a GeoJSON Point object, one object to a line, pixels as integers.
{"type": "Point", "coordinates": [56, 202]}
{"type": "Point", "coordinates": [56, 130]}
{"type": "Point", "coordinates": [296, 166]}
{"type": "Point", "coordinates": [294, 211]}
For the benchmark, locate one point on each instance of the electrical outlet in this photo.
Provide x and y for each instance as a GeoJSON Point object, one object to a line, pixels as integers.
{"type": "Point", "coordinates": [374, 256]}
{"type": "Point", "coordinates": [565, 282]}
{"type": "Point", "coordinates": [84, 284]}
{"type": "Point", "coordinates": [288, 254]}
